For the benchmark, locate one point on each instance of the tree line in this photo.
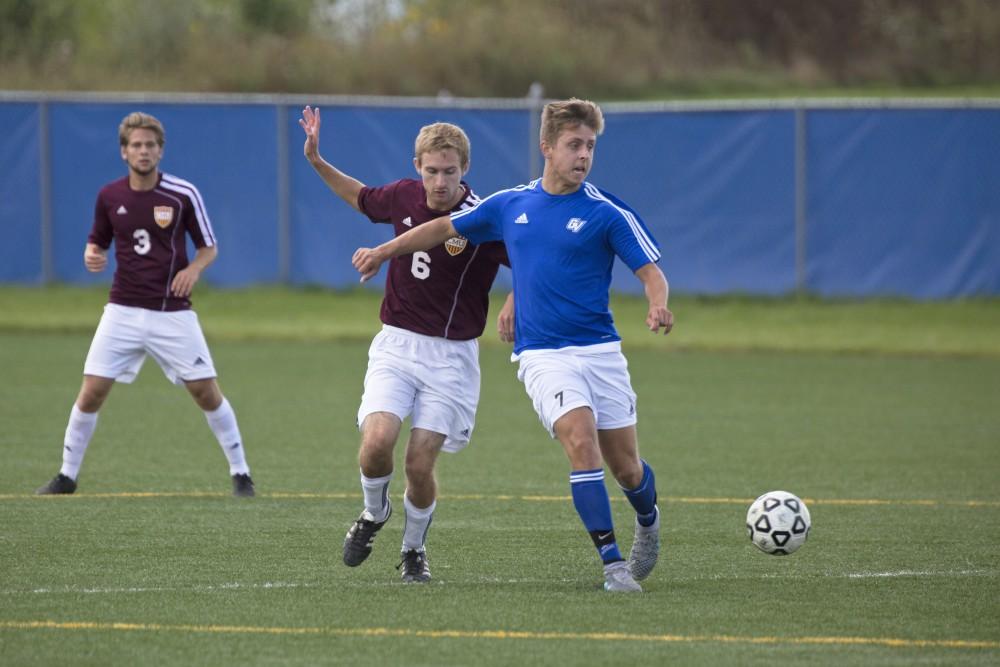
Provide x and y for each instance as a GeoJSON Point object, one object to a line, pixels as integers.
{"type": "Point", "coordinates": [604, 49]}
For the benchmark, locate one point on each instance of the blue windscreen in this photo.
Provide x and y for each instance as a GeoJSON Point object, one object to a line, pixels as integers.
{"type": "Point", "coordinates": [894, 201]}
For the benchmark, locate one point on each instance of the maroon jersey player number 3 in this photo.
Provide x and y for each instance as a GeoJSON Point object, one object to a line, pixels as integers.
{"type": "Point", "coordinates": [148, 215]}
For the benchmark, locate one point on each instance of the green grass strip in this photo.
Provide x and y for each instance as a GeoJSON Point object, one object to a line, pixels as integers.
{"type": "Point", "coordinates": [968, 328]}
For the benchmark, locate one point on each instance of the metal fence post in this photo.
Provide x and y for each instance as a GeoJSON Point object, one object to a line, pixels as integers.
{"type": "Point", "coordinates": [45, 193]}
{"type": "Point", "coordinates": [535, 92]}
{"type": "Point", "coordinates": [284, 239]}
{"type": "Point", "coordinates": [801, 192]}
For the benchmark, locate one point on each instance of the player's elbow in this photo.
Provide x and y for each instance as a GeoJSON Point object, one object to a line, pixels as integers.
{"type": "Point", "coordinates": [209, 253]}
{"type": "Point", "coordinates": [650, 272]}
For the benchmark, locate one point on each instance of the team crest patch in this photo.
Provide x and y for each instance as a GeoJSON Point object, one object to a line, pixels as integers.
{"type": "Point", "coordinates": [456, 245]}
{"type": "Point", "coordinates": [163, 215]}
{"type": "Point", "coordinates": [575, 224]}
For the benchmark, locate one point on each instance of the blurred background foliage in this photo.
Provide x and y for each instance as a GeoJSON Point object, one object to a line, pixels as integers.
{"type": "Point", "coordinates": [606, 49]}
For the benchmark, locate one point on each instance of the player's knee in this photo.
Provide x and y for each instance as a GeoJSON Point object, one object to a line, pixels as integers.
{"type": "Point", "coordinates": [377, 442]}
{"type": "Point", "coordinates": [577, 437]}
{"type": "Point", "coordinates": [375, 455]}
{"type": "Point", "coordinates": [419, 468]}
{"type": "Point", "coordinates": [206, 394]}
{"type": "Point", "coordinates": [582, 451]}
{"type": "Point", "coordinates": [90, 401]}
{"type": "Point", "coordinates": [583, 446]}
{"type": "Point", "coordinates": [629, 477]}
{"type": "Point", "coordinates": [92, 395]}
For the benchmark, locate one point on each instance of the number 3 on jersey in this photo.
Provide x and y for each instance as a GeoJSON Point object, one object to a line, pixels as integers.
{"type": "Point", "coordinates": [142, 244]}
{"type": "Point", "coordinates": [421, 266]}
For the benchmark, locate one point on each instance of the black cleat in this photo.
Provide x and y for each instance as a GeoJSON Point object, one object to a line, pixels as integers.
{"type": "Point", "coordinates": [414, 565]}
{"type": "Point", "coordinates": [60, 484]}
{"type": "Point", "coordinates": [243, 485]}
{"type": "Point", "coordinates": [359, 539]}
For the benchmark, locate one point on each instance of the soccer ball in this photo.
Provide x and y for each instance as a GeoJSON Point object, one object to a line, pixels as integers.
{"type": "Point", "coordinates": [778, 523]}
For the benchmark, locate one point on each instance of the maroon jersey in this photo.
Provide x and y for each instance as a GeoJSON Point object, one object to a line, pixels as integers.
{"type": "Point", "coordinates": [443, 291]}
{"type": "Point", "coordinates": [148, 229]}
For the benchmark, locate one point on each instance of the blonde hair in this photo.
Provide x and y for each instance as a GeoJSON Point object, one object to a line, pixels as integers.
{"type": "Point", "coordinates": [138, 120]}
{"type": "Point", "coordinates": [557, 116]}
{"type": "Point", "coordinates": [442, 136]}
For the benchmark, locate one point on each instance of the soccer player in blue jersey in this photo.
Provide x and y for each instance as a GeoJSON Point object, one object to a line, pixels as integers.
{"type": "Point", "coordinates": [562, 235]}
{"type": "Point", "coordinates": [424, 363]}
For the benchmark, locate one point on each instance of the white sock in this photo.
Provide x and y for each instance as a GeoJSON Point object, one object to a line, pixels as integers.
{"type": "Point", "coordinates": [79, 431]}
{"type": "Point", "coordinates": [222, 421]}
{"type": "Point", "coordinates": [418, 522]}
{"type": "Point", "coordinates": [376, 491]}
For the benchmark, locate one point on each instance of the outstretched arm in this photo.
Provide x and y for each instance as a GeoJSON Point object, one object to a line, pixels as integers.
{"type": "Point", "coordinates": [422, 237]}
{"type": "Point", "coordinates": [346, 187]}
{"type": "Point", "coordinates": [657, 292]}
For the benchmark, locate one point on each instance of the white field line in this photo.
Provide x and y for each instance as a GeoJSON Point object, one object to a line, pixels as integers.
{"type": "Point", "coordinates": [918, 573]}
{"type": "Point", "coordinates": [196, 588]}
{"type": "Point", "coordinates": [229, 586]}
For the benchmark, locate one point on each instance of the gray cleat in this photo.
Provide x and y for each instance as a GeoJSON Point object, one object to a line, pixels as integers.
{"type": "Point", "coordinates": [617, 578]}
{"type": "Point", "coordinates": [645, 549]}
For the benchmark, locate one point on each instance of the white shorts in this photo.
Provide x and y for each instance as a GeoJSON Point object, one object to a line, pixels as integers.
{"type": "Point", "coordinates": [594, 376]}
{"type": "Point", "coordinates": [434, 379]}
{"type": "Point", "coordinates": [126, 335]}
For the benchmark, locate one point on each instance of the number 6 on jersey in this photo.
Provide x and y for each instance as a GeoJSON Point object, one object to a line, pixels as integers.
{"type": "Point", "coordinates": [421, 266]}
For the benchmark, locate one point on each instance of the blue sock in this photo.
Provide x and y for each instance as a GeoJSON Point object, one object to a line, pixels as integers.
{"type": "Point", "coordinates": [643, 497]}
{"type": "Point", "coordinates": [590, 498]}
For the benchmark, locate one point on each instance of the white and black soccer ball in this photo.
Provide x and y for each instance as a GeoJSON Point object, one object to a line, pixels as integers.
{"type": "Point", "coordinates": [778, 523]}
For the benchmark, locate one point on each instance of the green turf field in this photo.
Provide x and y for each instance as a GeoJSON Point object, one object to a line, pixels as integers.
{"type": "Point", "coordinates": [882, 415]}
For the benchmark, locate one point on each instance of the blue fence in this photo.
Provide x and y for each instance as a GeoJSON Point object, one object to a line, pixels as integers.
{"type": "Point", "coordinates": [836, 199]}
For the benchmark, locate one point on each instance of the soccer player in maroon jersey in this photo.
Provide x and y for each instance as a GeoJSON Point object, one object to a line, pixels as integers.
{"type": "Point", "coordinates": [147, 215]}
{"type": "Point", "coordinates": [425, 360]}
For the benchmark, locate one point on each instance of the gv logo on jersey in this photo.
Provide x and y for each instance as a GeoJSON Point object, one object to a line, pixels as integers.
{"type": "Point", "coordinates": [456, 245]}
{"type": "Point", "coordinates": [575, 224]}
{"type": "Point", "coordinates": [163, 215]}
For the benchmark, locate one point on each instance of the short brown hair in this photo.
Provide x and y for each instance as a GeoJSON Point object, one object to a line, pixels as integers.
{"type": "Point", "coordinates": [442, 136]}
{"type": "Point", "coordinates": [138, 120]}
{"type": "Point", "coordinates": [556, 116]}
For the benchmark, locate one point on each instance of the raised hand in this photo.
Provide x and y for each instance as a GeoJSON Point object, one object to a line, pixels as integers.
{"type": "Point", "coordinates": [310, 123]}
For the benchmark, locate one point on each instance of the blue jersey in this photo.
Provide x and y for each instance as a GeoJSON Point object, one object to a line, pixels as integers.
{"type": "Point", "coordinates": [561, 249]}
